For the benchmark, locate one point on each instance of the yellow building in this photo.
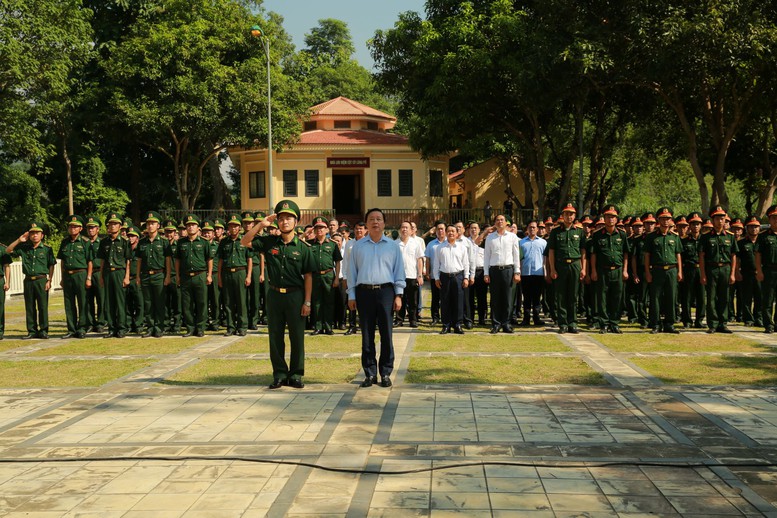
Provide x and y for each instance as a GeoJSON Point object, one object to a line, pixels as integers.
{"type": "Point", "coordinates": [346, 159]}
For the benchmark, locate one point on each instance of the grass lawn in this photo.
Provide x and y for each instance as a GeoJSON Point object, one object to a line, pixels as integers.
{"type": "Point", "coordinates": [726, 370]}
{"type": "Point", "coordinates": [479, 343]}
{"type": "Point", "coordinates": [502, 371]}
{"type": "Point", "coordinates": [114, 346]}
{"type": "Point", "coordinates": [685, 342]}
{"type": "Point", "coordinates": [66, 373]}
{"type": "Point", "coordinates": [338, 343]}
{"type": "Point", "coordinates": [7, 345]}
{"type": "Point", "coordinates": [252, 372]}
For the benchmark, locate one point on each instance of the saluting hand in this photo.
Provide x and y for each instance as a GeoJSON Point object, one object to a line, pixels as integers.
{"type": "Point", "coordinates": [269, 219]}
{"type": "Point", "coordinates": [23, 237]}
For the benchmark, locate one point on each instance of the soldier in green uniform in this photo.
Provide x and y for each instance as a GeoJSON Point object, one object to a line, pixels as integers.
{"type": "Point", "coordinates": [5, 283]}
{"type": "Point", "coordinates": [326, 258]}
{"type": "Point", "coordinates": [153, 274]}
{"type": "Point", "coordinates": [693, 293]}
{"type": "Point", "coordinates": [609, 269]}
{"type": "Point", "coordinates": [136, 319]}
{"type": "Point", "coordinates": [214, 295]}
{"type": "Point", "coordinates": [637, 247]}
{"type": "Point", "coordinates": [75, 253]}
{"type": "Point", "coordinates": [172, 291]}
{"type": "Point", "coordinates": [766, 268]}
{"type": "Point", "coordinates": [567, 261]}
{"type": "Point", "coordinates": [219, 232]}
{"type": "Point", "coordinates": [193, 267]}
{"type": "Point", "coordinates": [663, 271]}
{"type": "Point", "coordinates": [235, 265]}
{"type": "Point", "coordinates": [749, 287]}
{"type": "Point", "coordinates": [290, 283]}
{"type": "Point", "coordinates": [116, 254]}
{"type": "Point", "coordinates": [95, 291]}
{"type": "Point", "coordinates": [38, 267]}
{"type": "Point", "coordinates": [259, 274]}
{"type": "Point", "coordinates": [718, 265]}
{"type": "Point", "coordinates": [253, 293]}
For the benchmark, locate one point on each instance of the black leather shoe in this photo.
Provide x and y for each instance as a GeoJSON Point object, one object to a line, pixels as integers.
{"type": "Point", "coordinates": [120, 334]}
{"type": "Point", "coordinates": [188, 334]}
{"type": "Point", "coordinates": [603, 331]}
{"type": "Point", "coordinates": [385, 382]}
{"type": "Point", "coordinates": [67, 335]}
{"type": "Point", "coordinates": [725, 330]}
{"type": "Point", "coordinates": [538, 322]}
{"type": "Point", "coordinates": [242, 332]}
{"type": "Point", "coordinates": [445, 330]}
{"type": "Point", "coordinates": [768, 330]}
{"type": "Point", "coordinates": [508, 330]}
{"type": "Point", "coordinates": [276, 384]}
{"type": "Point", "coordinates": [414, 325]}
{"type": "Point", "coordinates": [43, 335]}
{"type": "Point", "coordinates": [199, 334]}
{"type": "Point", "coordinates": [80, 335]}
{"type": "Point", "coordinates": [350, 331]}
{"type": "Point", "coordinates": [468, 325]}
{"type": "Point", "coordinates": [295, 383]}
{"type": "Point", "coordinates": [148, 333]}
{"type": "Point", "coordinates": [573, 330]}
{"type": "Point", "coordinates": [616, 330]}
{"type": "Point", "coordinates": [494, 330]}
{"type": "Point", "coordinates": [672, 331]}
{"type": "Point", "coordinates": [30, 336]}
{"type": "Point", "coordinates": [98, 329]}
{"type": "Point", "coordinates": [368, 382]}
{"type": "Point", "coordinates": [329, 332]}
{"type": "Point", "coordinates": [562, 330]}
{"type": "Point", "coordinates": [458, 330]}
{"type": "Point", "coordinates": [341, 327]}
{"type": "Point", "coordinates": [109, 335]}
{"type": "Point", "coordinates": [229, 333]}
{"type": "Point", "coordinates": [710, 331]}
{"type": "Point", "coordinates": [316, 332]}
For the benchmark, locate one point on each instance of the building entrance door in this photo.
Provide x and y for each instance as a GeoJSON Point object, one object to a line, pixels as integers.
{"type": "Point", "coordinates": [347, 195]}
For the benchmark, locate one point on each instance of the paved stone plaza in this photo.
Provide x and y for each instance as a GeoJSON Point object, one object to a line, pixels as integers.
{"type": "Point", "coordinates": [502, 450]}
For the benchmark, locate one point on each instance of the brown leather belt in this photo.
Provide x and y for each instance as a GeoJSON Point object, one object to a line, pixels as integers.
{"type": "Point", "coordinates": [324, 272]}
{"type": "Point", "coordinates": [664, 266]}
{"type": "Point", "coordinates": [111, 268]}
{"type": "Point", "coordinates": [570, 261]}
{"type": "Point", "coordinates": [77, 270]}
{"type": "Point", "coordinates": [237, 269]}
{"type": "Point", "coordinates": [195, 274]}
{"type": "Point", "coordinates": [375, 286]}
{"type": "Point", "coordinates": [690, 265]}
{"type": "Point", "coordinates": [153, 272]}
{"type": "Point", "coordinates": [502, 267]}
{"type": "Point", "coordinates": [283, 290]}
{"type": "Point", "coordinates": [454, 274]}
{"type": "Point", "coordinates": [35, 277]}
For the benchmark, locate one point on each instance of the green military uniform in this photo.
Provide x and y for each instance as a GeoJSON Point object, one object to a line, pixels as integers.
{"type": "Point", "coordinates": [75, 255]}
{"type": "Point", "coordinates": [610, 250]}
{"type": "Point", "coordinates": [663, 250]}
{"type": "Point", "coordinates": [194, 264]}
{"type": "Point", "coordinates": [95, 294]}
{"type": "Point", "coordinates": [116, 255]}
{"type": "Point", "coordinates": [749, 287]}
{"type": "Point", "coordinates": [234, 260]}
{"type": "Point", "coordinates": [219, 223]}
{"type": "Point", "coordinates": [153, 255]}
{"type": "Point", "coordinates": [766, 258]}
{"type": "Point", "coordinates": [568, 245]}
{"type": "Point", "coordinates": [37, 264]}
{"type": "Point", "coordinates": [256, 272]}
{"type": "Point", "coordinates": [5, 259]}
{"type": "Point", "coordinates": [136, 314]}
{"type": "Point", "coordinates": [326, 256]}
{"type": "Point", "coordinates": [172, 291]}
{"type": "Point", "coordinates": [254, 291]}
{"type": "Point", "coordinates": [693, 293]}
{"type": "Point", "coordinates": [286, 264]}
{"type": "Point", "coordinates": [719, 250]}
{"type": "Point", "coordinates": [214, 294]}
{"type": "Point", "coordinates": [643, 288]}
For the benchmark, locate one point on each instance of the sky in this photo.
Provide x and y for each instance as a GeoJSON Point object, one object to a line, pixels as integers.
{"type": "Point", "coordinates": [363, 17]}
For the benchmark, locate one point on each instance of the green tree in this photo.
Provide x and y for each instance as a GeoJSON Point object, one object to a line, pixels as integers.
{"type": "Point", "coordinates": [329, 43]}
{"type": "Point", "coordinates": [20, 201]}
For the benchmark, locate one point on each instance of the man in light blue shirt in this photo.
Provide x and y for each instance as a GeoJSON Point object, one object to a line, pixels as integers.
{"type": "Point", "coordinates": [533, 273]}
{"type": "Point", "coordinates": [376, 282]}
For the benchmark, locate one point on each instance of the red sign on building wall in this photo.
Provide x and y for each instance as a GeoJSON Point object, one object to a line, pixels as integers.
{"type": "Point", "coordinates": [357, 162]}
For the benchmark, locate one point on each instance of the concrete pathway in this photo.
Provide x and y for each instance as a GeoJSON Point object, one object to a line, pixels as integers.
{"type": "Point", "coordinates": [135, 447]}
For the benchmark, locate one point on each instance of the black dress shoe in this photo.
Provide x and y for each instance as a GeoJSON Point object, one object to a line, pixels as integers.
{"type": "Point", "coordinates": [148, 333]}
{"type": "Point", "coordinates": [573, 330]}
{"type": "Point", "coordinates": [80, 335]}
{"type": "Point", "coordinates": [369, 381]}
{"type": "Point", "coordinates": [120, 334]}
{"type": "Point", "coordinates": [329, 332]}
{"type": "Point", "coordinates": [655, 331]}
{"type": "Point", "coordinates": [229, 332]}
{"type": "Point", "coordinates": [350, 331]}
{"type": "Point", "coordinates": [458, 330]}
{"type": "Point", "coordinates": [725, 330]}
{"type": "Point", "coordinates": [710, 331]}
{"type": "Point", "coordinates": [538, 322]}
{"type": "Point", "coordinates": [616, 330]}
{"type": "Point", "coordinates": [98, 329]}
{"type": "Point", "coordinates": [295, 383]}
{"type": "Point", "coordinates": [385, 382]}
{"type": "Point", "coordinates": [187, 334]}
{"type": "Point", "coordinates": [242, 332]}
{"type": "Point", "coordinates": [68, 335]}
{"type": "Point", "coordinates": [768, 330]}
{"type": "Point", "coordinates": [445, 330]}
{"type": "Point", "coordinates": [414, 325]}
{"type": "Point", "coordinates": [252, 327]}
{"type": "Point", "coordinates": [603, 331]}
{"type": "Point", "coordinates": [276, 384]}
{"type": "Point", "coordinates": [109, 334]}
{"type": "Point", "coordinates": [508, 330]}
{"type": "Point", "coordinates": [29, 336]}
{"type": "Point", "coordinates": [341, 327]}
{"type": "Point", "coordinates": [468, 325]}
{"type": "Point", "coordinates": [199, 334]}
{"type": "Point", "coordinates": [562, 330]}
{"type": "Point", "coordinates": [494, 330]}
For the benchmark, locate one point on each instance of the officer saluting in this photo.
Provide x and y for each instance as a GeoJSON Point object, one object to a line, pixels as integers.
{"type": "Point", "coordinates": [289, 264]}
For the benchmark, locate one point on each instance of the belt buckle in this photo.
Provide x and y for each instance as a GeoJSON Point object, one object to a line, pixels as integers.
{"type": "Point", "coordinates": [191, 274]}
{"type": "Point", "coordinates": [569, 261]}
{"type": "Point", "coordinates": [666, 266]}
{"type": "Point", "coordinates": [151, 272]}
{"type": "Point", "coordinates": [70, 272]}
{"type": "Point", "coordinates": [233, 270]}
{"type": "Point", "coordinates": [281, 290]}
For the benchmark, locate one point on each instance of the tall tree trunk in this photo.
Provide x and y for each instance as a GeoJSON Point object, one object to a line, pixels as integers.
{"type": "Point", "coordinates": [135, 173]}
{"type": "Point", "coordinates": [69, 173]}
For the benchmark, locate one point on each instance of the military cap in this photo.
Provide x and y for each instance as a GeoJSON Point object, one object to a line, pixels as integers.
{"type": "Point", "coordinates": [549, 220]}
{"type": "Point", "coordinates": [153, 216]}
{"type": "Point", "coordinates": [169, 224]}
{"type": "Point", "coordinates": [288, 207]}
{"type": "Point", "coordinates": [737, 223]}
{"type": "Point", "coordinates": [132, 230]}
{"type": "Point", "coordinates": [206, 225]}
{"type": "Point", "coordinates": [694, 217]}
{"type": "Point", "coordinates": [248, 216]}
{"type": "Point", "coordinates": [620, 223]}
{"type": "Point", "coordinates": [91, 221]}
{"type": "Point", "coordinates": [114, 218]}
{"type": "Point", "coordinates": [577, 224]}
{"type": "Point", "coordinates": [234, 219]}
{"type": "Point", "coordinates": [320, 221]}
{"type": "Point", "coordinates": [181, 226]}
{"type": "Point", "coordinates": [569, 207]}
{"type": "Point", "coordinates": [35, 227]}
{"type": "Point", "coordinates": [274, 224]}
{"type": "Point", "coordinates": [345, 227]}
{"type": "Point", "coordinates": [681, 221]}
{"type": "Point", "coordinates": [75, 221]}
{"type": "Point", "coordinates": [717, 210]}
{"type": "Point", "coordinates": [218, 223]}
{"type": "Point", "coordinates": [191, 218]}
{"type": "Point", "coordinates": [637, 222]}
{"type": "Point", "coordinates": [126, 223]}
{"type": "Point", "coordinates": [707, 223]}
{"type": "Point", "coordinates": [259, 216]}
{"type": "Point", "coordinates": [599, 221]}
{"type": "Point", "coordinates": [627, 220]}
{"type": "Point", "coordinates": [540, 224]}
{"type": "Point", "coordinates": [752, 220]}
{"type": "Point", "coordinates": [664, 212]}
{"type": "Point", "coordinates": [559, 220]}
{"type": "Point", "coordinates": [771, 211]}
{"type": "Point", "coordinates": [610, 210]}
{"type": "Point", "coordinates": [648, 217]}
{"type": "Point", "coordinates": [586, 220]}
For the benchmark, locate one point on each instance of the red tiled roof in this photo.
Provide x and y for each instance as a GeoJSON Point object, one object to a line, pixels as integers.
{"type": "Point", "coordinates": [352, 137]}
{"type": "Point", "coordinates": [344, 106]}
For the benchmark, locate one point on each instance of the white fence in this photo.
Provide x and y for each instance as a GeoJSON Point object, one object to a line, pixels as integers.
{"type": "Point", "coordinates": [17, 279]}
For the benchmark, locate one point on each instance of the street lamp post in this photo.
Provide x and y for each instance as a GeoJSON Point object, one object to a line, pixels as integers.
{"type": "Point", "coordinates": [257, 32]}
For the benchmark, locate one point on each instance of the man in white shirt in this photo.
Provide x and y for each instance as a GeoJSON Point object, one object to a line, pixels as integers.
{"type": "Point", "coordinates": [478, 291]}
{"type": "Point", "coordinates": [502, 264]}
{"type": "Point", "coordinates": [449, 270]}
{"type": "Point", "coordinates": [359, 230]}
{"type": "Point", "coordinates": [422, 244]}
{"type": "Point", "coordinates": [413, 258]}
{"type": "Point", "coordinates": [462, 238]}
{"type": "Point", "coordinates": [431, 248]}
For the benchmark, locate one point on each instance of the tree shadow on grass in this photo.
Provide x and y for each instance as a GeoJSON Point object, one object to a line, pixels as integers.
{"type": "Point", "coordinates": [742, 370]}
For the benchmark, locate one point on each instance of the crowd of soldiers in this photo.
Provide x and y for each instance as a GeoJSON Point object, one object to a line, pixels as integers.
{"type": "Point", "coordinates": [656, 270]}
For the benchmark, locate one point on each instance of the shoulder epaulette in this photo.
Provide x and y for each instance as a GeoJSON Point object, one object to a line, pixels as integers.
{"type": "Point", "coordinates": [729, 233]}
